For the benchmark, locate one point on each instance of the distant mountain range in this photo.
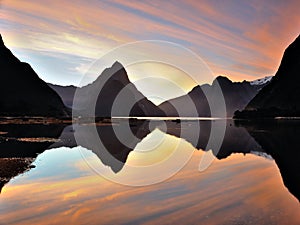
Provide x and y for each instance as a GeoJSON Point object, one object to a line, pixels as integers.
{"type": "Point", "coordinates": [236, 96]}
{"type": "Point", "coordinates": [22, 92]}
{"type": "Point", "coordinates": [112, 93]}
{"type": "Point", "coordinates": [65, 92]}
{"type": "Point", "coordinates": [281, 97]}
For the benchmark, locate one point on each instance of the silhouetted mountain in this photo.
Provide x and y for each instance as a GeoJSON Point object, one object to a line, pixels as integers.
{"type": "Point", "coordinates": [281, 96]}
{"type": "Point", "coordinates": [111, 87]}
{"type": "Point", "coordinates": [22, 92]}
{"type": "Point", "coordinates": [236, 95]}
{"type": "Point", "coordinates": [65, 92]}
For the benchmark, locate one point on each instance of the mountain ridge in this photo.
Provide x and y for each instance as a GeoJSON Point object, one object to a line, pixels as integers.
{"type": "Point", "coordinates": [236, 96]}
{"type": "Point", "coordinates": [113, 94]}
{"type": "Point", "coordinates": [67, 92]}
{"type": "Point", "coordinates": [24, 92]}
{"type": "Point", "coordinates": [280, 98]}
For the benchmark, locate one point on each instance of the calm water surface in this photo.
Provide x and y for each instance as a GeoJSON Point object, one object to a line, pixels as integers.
{"type": "Point", "coordinates": [253, 179]}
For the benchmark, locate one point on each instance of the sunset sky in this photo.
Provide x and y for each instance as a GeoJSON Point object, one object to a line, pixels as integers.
{"type": "Point", "coordinates": [60, 39]}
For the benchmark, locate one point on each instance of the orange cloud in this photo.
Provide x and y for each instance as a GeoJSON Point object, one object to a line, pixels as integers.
{"type": "Point", "coordinates": [243, 40]}
{"type": "Point", "coordinates": [244, 185]}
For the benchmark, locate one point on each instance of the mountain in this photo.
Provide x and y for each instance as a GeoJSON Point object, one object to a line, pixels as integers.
{"type": "Point", "coordinates": [111, 87]}
{"type": "Point", "coordinates": [280, 97]}
{"type": "Point", "coordinates": [65, 92]}
{"type": "Point", "coordinates": [236, 95]}
{"type": "Point", "coordinates": [22, 92]}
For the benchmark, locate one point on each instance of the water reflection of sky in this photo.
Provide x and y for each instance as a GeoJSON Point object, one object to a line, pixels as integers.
{"type": "Point", "coordinates": [62, 189]}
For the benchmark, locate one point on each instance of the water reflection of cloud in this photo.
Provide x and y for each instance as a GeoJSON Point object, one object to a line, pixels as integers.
{"type": "Point", "coordinates": [249, 186]}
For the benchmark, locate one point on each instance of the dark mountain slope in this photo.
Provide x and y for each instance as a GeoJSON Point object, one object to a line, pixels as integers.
{"type": "Point", "coordinates": [22, 92]}
{"type": "Point", "coordinates": [111, 87]}
{"type": "Point", "coordinates": [65, 92]}
{"type": "Point", "coordinates": [236, 95]}
{"type": "Point", "coordinates": [281, 97]}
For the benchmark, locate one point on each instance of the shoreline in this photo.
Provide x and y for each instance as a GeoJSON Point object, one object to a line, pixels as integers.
{"type": "Point", "coordinates": [107, 120]}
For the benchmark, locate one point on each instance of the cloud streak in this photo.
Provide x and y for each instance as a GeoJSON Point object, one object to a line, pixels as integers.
{"type": "Point", "coordinates": [251, 186]}
{"type": "Point", "coordinates": [243, 40]}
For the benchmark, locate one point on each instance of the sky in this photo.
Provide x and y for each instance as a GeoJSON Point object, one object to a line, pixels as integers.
{"type": "Point", "coordinates": [243, 40]}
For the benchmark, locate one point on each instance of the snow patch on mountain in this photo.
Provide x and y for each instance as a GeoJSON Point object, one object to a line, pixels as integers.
{"type": "Point", "coordinates": [262, 154]}
{"type": "Point", "coordinates": [261, 81]}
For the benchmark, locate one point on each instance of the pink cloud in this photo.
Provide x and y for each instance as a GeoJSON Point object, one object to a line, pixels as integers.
{"type": "Point", "coordinates": [247, 48]}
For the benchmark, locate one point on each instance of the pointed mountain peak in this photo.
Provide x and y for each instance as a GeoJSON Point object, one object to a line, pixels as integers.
{"type": "Point", "coordinates": [119, 73]}
{"type": "Point", "coordinates": [116, 72]}
{"type": "Point", "coordinates": [116, 69]}
{"type": "Point", "coordinates": [117, 65]}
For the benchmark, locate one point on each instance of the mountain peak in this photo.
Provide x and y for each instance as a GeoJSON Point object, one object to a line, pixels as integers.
{"type": "Point", "coordinates": [118, 72]}
{"type": "Point", "coordinates": [117, 65]}
{"type": "Point", "coordinates": [221, 80]}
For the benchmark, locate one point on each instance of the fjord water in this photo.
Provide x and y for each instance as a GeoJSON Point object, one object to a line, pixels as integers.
{"type": "Point", "coordinates": [254, 179]}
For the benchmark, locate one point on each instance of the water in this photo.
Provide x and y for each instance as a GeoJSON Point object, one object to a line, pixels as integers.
{"type": "Point", "coordinates": [155, 179]}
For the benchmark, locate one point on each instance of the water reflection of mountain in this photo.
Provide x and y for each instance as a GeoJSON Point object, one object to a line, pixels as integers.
{"type": "Point", "coordinates": [25, 141]}
{"type": "Point", "coordinates": [236, 139]}
{"type": "Point", "coordinates": [277, 139]}
{"type": "Point", "coordinates": [280, 139]}
{"type": "Point", "coordinates": [112, 143]}
{"type": "Point", "coordinates": [30, 140]}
